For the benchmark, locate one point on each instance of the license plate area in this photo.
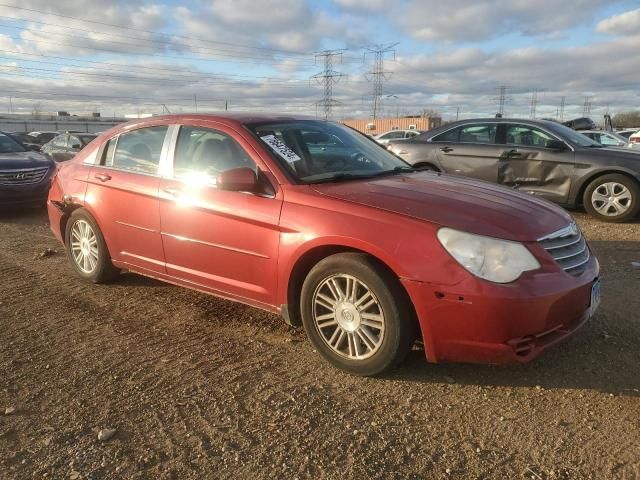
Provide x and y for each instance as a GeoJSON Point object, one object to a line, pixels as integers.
{"type": "Point", "coordinates": [595, 297]}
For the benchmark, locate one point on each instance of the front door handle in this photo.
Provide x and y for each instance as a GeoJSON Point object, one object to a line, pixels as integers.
{"type": "Point", "coordinates": [446, 149]}
{"type": "Point", "coordinates": [103, 177]}
{"type": "Point", "coordinates": [170, 191]}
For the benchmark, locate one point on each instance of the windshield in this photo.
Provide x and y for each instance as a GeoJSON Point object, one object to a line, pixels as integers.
{"type": "Point", "coordinates": [9, 145]}
{"type": "Point", "coordinates": [576, 139]}
{"type": "Point", "coordinates": [315, 151]}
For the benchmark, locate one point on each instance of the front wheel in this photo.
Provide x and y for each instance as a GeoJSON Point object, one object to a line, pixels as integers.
{"type": "Point", "coordinates": [357, 315]}
{"type": "Point", "coordinates": [612, 198]}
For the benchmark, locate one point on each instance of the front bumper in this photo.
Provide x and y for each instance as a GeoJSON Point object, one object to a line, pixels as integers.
{"type": "Point", "coordinates": [29, 194]}
{"type": "Point", "coordinates": [480, 322]}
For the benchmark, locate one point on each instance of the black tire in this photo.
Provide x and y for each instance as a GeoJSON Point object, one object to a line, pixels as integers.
{"type": "Point", "coordinates": [104, 270]}
{"type": "Point", "coordinates": [400, 325]}
{"type": "Point", "coordinates": [599, 185]}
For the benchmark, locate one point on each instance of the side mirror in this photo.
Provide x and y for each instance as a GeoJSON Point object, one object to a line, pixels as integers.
{"type": "Point", "coordinates": [238, 180]}
{"type": "Point", "coordinates": [557, 145]}
{"type": "Point", "coordinates": [35, 148]}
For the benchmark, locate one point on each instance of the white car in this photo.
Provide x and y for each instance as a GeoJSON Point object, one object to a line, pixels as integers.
{"type": "Point", "coordinates": [627, 132]}
{"type": "Point", "coordinates": [386, 137]}
{"type": "Point", "coordinates": [607, 139]}
{"type": "Point", "coordinates": [634, 139]}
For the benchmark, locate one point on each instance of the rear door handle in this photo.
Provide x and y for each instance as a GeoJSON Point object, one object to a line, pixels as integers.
{"type": "Point", "coordinates": [103, 177]}
{"type": "Point", "coordinates": [446, 149]}
{"type": "Point", "coordinates": [513, 153]}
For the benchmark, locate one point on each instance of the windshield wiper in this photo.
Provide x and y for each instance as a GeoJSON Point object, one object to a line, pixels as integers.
{"type": "Point", "coordinates": [352, 176]}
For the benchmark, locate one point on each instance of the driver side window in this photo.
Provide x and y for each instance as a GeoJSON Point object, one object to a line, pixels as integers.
{"type": "Point", "coordinates": [203, 153]}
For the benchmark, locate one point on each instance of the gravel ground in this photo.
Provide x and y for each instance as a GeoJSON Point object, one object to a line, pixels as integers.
{"type": "Point", "coordinates": [197, 387]}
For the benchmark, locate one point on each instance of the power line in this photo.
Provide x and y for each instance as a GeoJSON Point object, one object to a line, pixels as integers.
{"type": "Point", "coordinates": [327, 78]}
{"type": "Point", "coordinates": [378, 75]}
{"type": "Point", "coordinates": [586, 108]}
{"type": "Point", "coordinates": [152, 32]}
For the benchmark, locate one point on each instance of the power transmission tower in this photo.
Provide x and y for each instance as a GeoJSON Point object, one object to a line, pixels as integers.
{"type": "Point", "coordinates": [562, 100]}
{"type": "Point", "coordinates": [327, 78]}
{"type": "Point", "coordinates": [378, 75]}
{"type": "Point", "coordinates": [502, 98]}
{"type": "Point", "coordinates": [586, 108]}
{"type": "Point", "coordinates": [534, 102]}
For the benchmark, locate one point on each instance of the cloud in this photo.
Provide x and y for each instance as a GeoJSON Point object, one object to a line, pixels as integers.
{"type": "Point", "coordinates": [471, 20]}
{"type": "Point", "coordinates": [627, 23]}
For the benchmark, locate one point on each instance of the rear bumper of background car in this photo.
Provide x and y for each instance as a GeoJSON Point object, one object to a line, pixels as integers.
{"type": "Point", "coordinates": [480, 322]}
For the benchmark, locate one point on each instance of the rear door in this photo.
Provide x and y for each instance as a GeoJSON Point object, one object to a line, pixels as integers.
{"type": "Point", "coordinates": [123, 194]}
{"type": "Point", "coordinates": [527, 164]}
{"type": "Point", "coordinates": [471, 150]}
{"type": "Point", "coordinates": [226, 241]}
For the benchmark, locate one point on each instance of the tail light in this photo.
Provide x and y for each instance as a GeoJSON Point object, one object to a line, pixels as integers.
{"type": "Point", "coordinates": [634, 139]}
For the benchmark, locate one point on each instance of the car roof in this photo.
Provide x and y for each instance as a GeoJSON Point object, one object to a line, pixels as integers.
{"type": "Point", "coordinates": [230, 118]}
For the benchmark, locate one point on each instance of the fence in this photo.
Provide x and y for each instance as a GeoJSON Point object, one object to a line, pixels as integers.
{"type": "Point", "coordinates": [26, 126]}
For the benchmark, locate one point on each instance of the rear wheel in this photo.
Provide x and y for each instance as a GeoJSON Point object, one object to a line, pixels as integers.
{"type": "Point", "coordinates": [356, 314]}
{"type": "Point", "coordinates": [87, 249]}
{"type": "Point", "coordinates": [612, 198]}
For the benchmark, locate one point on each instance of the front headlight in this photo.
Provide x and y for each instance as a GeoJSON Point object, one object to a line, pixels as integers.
{"type": "Point", "coordinates": [499, 261]}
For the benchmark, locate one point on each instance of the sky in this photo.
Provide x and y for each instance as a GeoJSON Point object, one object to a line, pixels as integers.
{"type": "Point", "coordinates": [129, 57]}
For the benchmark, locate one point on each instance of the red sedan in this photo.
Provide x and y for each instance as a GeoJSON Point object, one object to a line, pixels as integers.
{"type": "Point", "coordinates": [316, 222]}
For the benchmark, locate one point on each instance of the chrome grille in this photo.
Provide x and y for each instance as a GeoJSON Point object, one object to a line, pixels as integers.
{"type": "Point", "coordinates": [23, 176]}
{"type": "Point", "coordinates": [568, 248]}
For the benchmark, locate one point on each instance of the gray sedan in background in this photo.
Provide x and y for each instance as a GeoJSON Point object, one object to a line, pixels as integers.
{"type": "Point", "coordinates": [543, 158]}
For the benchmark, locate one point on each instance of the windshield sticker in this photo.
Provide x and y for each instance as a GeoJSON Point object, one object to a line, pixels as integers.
{"type": "Point", "coordinates": [281, 148]}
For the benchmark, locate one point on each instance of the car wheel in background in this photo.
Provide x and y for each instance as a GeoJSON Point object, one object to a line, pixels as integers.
{"type": "Point", "coordinates": [612, 198]}
{"type": "Point", "coordinates": [357, 315]}
{"type": "Point", "coordinates": [87, 249]}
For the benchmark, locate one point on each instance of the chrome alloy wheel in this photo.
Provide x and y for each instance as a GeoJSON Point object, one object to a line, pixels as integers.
{"type": "Point", "coordinates": [348, 316]}
{"type": "Point", "coordinates": [84, 246]}
{"type": "Point", "coordinates": [611, 199]}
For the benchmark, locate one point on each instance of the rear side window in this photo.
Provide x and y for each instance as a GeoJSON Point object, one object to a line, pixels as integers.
{"type": "Point", "coordinates": [484, 133]}
{"type": "Point", "coordinates": [137, 151]}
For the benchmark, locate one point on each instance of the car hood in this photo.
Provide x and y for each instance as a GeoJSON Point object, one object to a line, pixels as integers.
{"type": "Point", "coordinates": [462, 203]}
{"type": "Point", "coordinates": [19, 160]}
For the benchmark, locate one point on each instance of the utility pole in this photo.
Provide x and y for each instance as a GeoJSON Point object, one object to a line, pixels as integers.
{"type": "Point", "coordinates": [457, 113]}
{"type": "Point", "coordinates": [378, 75]}
{"type": "Point", "coordinates": [226, 105]}
{"type": "Point", "coordinates": [562, 100]}
{"type": "Point", "coordinates": [327, 78]}
{"type": "Point", "coordinates": [10, 105]}
{"type": "Point", "coordinates": [502, 98]}
{"type": "Point", "coordinates": [534, 102]}
{"type": "Point", "coordinates": [586, 108]}
{"type": "Point", "coordinates": [195, 101]}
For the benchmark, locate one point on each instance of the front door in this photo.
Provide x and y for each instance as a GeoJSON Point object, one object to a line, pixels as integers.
{"type": "Point", "coordinates": [470, 150]}
{"type": "Point", "coordinates": [527, 164]}
{"type": "Point", "coordinates": [225, 241]}
{"type": "Point", "coordinates": [123, 191]}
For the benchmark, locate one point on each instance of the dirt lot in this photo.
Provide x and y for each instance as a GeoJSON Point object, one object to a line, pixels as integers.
{"type": "Point", "coordinates": [198, 387]}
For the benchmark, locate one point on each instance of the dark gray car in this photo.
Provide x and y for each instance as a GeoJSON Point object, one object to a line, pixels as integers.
{"type": "Point", "coordinates": [543, 158]}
